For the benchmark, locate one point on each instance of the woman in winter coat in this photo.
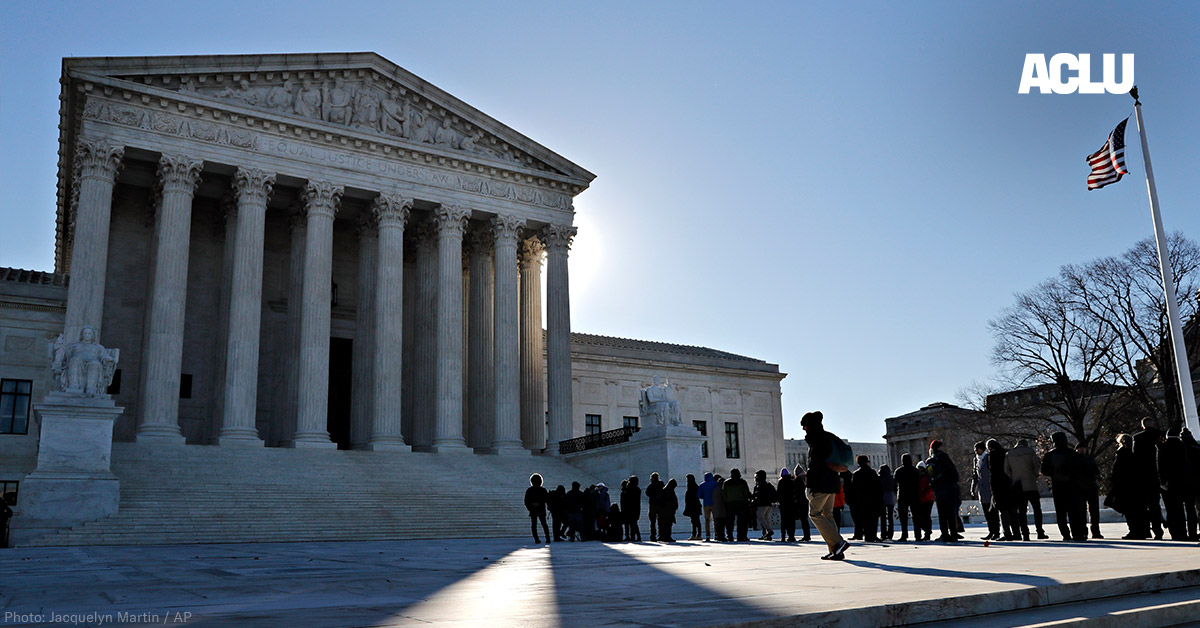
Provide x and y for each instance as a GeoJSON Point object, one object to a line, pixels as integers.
{"type": "Point", "coordinates": [1004, 497]}
{"type": "Point", "coordinates": [887, 526]}
{"type": "Point", "coordinates": [785, 492]}
{"type": "Point", "coordinates": [720, 512]}
{"type": "Point", "coordinates": [668, 504]}
{"type": "Point", "coordinates": [925, 506]}
{"type": "Point", "coordinates": [691, 506]}
{"type": "Point", "coordinates": [1124, 492]}
{"type": "Point", "coordinates": [631, 508]}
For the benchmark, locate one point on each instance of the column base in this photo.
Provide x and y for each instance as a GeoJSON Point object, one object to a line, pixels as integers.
{"type": "Point", "coordinates": [315, 440]}
{"type": "Point", "coordinates": [160, 435]}
{"type": "Point", "coordinates": [387, 445]}
{"type": "Point", "coordinates": [452, 447]}
{"type": "Point", "coordinates": [239, 437]}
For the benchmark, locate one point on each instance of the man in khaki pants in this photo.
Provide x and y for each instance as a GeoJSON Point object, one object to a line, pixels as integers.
{"type": "Point", "coordinates": [823, 484]}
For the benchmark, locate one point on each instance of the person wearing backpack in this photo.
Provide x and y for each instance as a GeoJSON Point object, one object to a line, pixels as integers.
{"type": "Point", "coordinates": [823, 483]}
{"type": "Point", "coordinates": [943, 476]}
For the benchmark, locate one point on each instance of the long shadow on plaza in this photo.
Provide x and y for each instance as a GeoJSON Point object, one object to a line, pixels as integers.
{"type": "Point", "coordinates": [937, 572]}
{"type": "Point", "coordinates": [596, 584]}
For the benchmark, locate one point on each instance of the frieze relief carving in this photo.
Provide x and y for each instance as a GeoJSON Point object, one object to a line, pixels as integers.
{"type": "Point", "coordinates": [224, 135]}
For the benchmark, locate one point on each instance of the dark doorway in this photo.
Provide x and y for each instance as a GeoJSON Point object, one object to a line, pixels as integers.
{"type": "Point", "coordinates": [341, 356]}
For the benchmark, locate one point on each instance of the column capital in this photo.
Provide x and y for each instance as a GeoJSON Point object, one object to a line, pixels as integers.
{"type": "Point", "coordinates": [295, 216]}
{"type": "Point", "coordinates": [365, 226]}
{"type": "Point", "coordinates": [530, 251]}
{"type": "Point", "coordinates": [425, 234]}
{"type": "Point", "coordinates": [451, 220]}
{"type": "Point", "coordinates": [253, 186]}
{"type": "Point", "coordinates": [480, 241]}
{"type": "Point", "coordinates": [506, 229]}
{"type": "Point", "coordinates": [99, 157]}
{"type": "Point", "coordinates": [322, 198]}
{"type": "Point", "coordinates": [391, 209]}
{"type": "Point", "coordinates": [179, 173]}
{"type": "Point", "coordinates": [558, 237]}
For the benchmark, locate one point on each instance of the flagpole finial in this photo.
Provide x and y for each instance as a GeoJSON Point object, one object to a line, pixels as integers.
{"type": "Point", "coordinates": [1133, 92]}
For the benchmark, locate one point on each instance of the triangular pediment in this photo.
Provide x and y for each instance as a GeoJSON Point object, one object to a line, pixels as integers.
{"type": "Point", "coordinates": [357, 92]}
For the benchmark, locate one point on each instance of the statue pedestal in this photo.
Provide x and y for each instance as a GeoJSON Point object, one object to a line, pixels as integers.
{"type": "Point", "coordinates": [672, 451]}
{"type": "Point", "coordinates": [73, 481]}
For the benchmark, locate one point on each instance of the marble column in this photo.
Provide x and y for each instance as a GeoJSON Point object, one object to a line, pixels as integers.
{"type": "Point", "coordinates": [321, 201]}
{"type": "Point", "coordinates": [253, 188]}
{"type": "Point", "coordinates": [448, 433]}
{"type": "Point", "coordinates": [481, 382]}
{"type": "Point", "coordinates": [391, 210]}
{"type": "Point", "coordinates": [533, 374]}
{"type": "Point", "coordinates": [363, 388]}
{"type": "Point", "coordinates": [295, 295]}
{"type": "Point", "coordinates": [97, 163]}
{"type": "Point", "coordinates": [179, 176]}
{"type": "Point", "coordinates": [228, 231]}
{"type": "Point", "coordinates": [558, 333]}
{"type": "Point", "coordinates": [425, 340]}
{"type": "Point", "coordinates": [506, 438]}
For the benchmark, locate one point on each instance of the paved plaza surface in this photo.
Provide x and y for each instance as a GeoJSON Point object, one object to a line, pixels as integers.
{"type": "Point", "coordinates": [511, 582]}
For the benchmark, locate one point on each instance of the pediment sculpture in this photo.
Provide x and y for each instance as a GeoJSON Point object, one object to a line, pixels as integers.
{"type": "Point", "coordinates": [658, 404]}
{"type": "Point", "coordinates": [83, 367]}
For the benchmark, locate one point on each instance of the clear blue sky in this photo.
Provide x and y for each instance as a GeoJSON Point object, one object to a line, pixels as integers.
{"type": "Point", "coordinates": [848, 192]}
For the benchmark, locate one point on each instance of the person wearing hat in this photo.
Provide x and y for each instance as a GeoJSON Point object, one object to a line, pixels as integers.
{"type": "Point", "coordinates": [823, 484]}
{"type": "Point", "coordinates": [785, 494]}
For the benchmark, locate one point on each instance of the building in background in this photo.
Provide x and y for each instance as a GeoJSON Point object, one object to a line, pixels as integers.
{"type": "Point", "coordinates": [797, 452]}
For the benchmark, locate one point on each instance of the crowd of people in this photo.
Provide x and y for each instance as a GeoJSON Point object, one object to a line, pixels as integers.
{"type": "Point", "coordinates": [1149, 466]}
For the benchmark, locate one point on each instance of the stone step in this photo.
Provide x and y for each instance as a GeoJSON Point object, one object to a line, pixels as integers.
{"type": "Point", "coordinates": [1172, 607]}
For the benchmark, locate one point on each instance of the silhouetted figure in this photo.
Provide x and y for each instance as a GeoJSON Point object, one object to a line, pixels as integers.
{"type": "Point", "coordinates": [1062, 466]}
{"type": "Point", "coordinates": [887, 484]}
{"type": "Point", "coordinates": [802, 502]}
{"type": "Point", "coordinates": [868, 501]}
{"type": "Point", "coordinates": [691, 506]}
{"type": "Point", "coordinates": [737, 504]}
{"type": "Point", "coordinates": [557, 505]}
{"type": "Point", "coordinates": [1145, 451]}
{"type": "Point", "coordinates": [981, 488]}
{"type": "Point", "coordinates": [908, 496]}
{"type": "Point", "coordinates": [926, 500]}
{"type": "Point", "coordinates": [1172, 473]}
{"type": "Point", "coordinates": [1124, 490]}
{"type": "Point", "coordinates": [589, 513]}
{"type": "Point", "coordinates": [616, 525]}
{"type": "Point", "coordinates": [823, 483]}
{"type": "Point", "coordinates": [785, 493]}
{"type": "Point", "coordinates": [1004, 495]}
{"type": "Point", "coordinates": [763, 498]}
{"type": "Point", "coordinates": [1089, 487]}
{"type": "Point", "coordinates": [943, 477]}
{"type": "Point", "coordinates": [721, 512]}
{"type": "Point", "coordinates": [631, 509]}
{"type": "Point", "coordinates": [536, 497]}
{"type": "Point", "coordinates": [653, 494]}
{"type": "Point", "coordinates": [1023, 466]}
{"type": "Point", "coordinates": [708, 488]}
{"type": "Point", "coordinates": [667, 506]}
{"type": "Point", "coordinates": [603, 503]}
{"type": "Point", "coordinates": [842, 504]}
{"type": "Point", "coordinates": [6, 514]}
{"type": "Point", "coordinates": [1191, 460]}
{"type": "Point", "coordinates": [574, 503]}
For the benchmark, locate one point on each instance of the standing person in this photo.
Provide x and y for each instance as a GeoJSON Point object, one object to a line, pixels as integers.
{"type": "Point", "coordinates": [574, 502]}
{"type": "Point", "coordinates": [1023, 466]}
{"type": "Point", "coordinates": [6, 514]}
{"type": "Point", "coordinates": [631, 509]}
{"type": "Point", "coordinates": [1145, 451]}
{"type": "Point", "coordinates": [1004, 500]}
{"type": "Point", "coordinates": [908, 496]}
{"type": "Point", "coordinates": [1191, 460]}
{"type": "Point", "coordinates": [653, 495]}
{"type": "Point", "coordinates": [737, 502]}
{"type": "Point", "coordinates": [846, 502]}
{"type": "Point", "coordinates": [589, 513]}
{"type": "Point", "coordinates": [603, 504]}
{"type": "Point", "coordinates": [1124, 494]}
{"type": "Point", "coordinates": [887, 484]}
{"type": "Point", "coordinates": [926, 499]}
{"type": "Point", "coordinates": [868, 501]}
{"type": "Point", "coordinates": [822, 483]}
{"type": "Point", "coordinates": [1172, 473]}
{"type": "Point", "coordinates": [764, 502]}
{"type": "Point", "coordinates": [707, 488]}
{"type": "Point", "coordinates": [1062, 466]}
{"type": "Point", "coordinates": [943, 477]}
{"type": "Point", "coordinates": [668, 504]}
{"type": "Point", "coordinates": [721, 512]}
{"type": "Point", "coordinates": [785, 494]}
{"type": "Point", "coordinates": [536, 497]}
{"type": "Point", "coordinates": [1089, 487]}
{"type": "Point", "coordinates": [981, 488]}
{"type": "Point", "coordinates": [802, 502]}
{"type": "Point", "coordinates": [557, 505]}
{"type": "Point", "coordinates": [691, 505]}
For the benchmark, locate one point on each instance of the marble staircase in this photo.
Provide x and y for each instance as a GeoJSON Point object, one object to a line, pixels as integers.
{"type": "Point", "coordinates": [198, 494]}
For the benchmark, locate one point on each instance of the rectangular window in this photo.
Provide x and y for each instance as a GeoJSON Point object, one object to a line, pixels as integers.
{"type": "Point", "coordinates": [8, 491]}
{"type": "Point", "coordinates": [15, 396]}
{"type": "Point", "coordinates": [702, 427]}
{"type": "Point", "coordinates": [732, 450]}
{"type": "Point", "coordinates": [631, 421]}
{"type": "Point", "coordinates": [591, 424]}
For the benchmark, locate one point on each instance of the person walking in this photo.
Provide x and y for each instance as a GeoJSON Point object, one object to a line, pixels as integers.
{"type": "Point", "coordinates": [908, 498]}
{"type": "Point", "coordinates": [981, 489]}
{"type": "Point", "coordinates": [1023, 466]}
{"type": "Point", "coordinates": [943, 477]}
{"type": "Point", "coordinates": [631, 509]}
{"type": "Point", "coordinates": [823, 483]}
{"type": "Point", "coordinates": [707, 488]}
{"type": "Point", "coordinates": [802, 502]}
{"type": "Point", "coordinates": [653, 496]}
{"type": "Point", "coordinates": [691, 506]}
{"type": "Point", "coordinates": [868, 501]}
{"type": "Point", "coordinates": [536, 497]}
{"type": "Point", "coordinates": [764, 497]}
{"type": "Point", "coordinates": [1089, 487]}
{"type": "Point", "coordinates": [887, 485]}
{"type": "Point", "coordinates": [668, 504]}
{"type": "Point", "coordinates": [1063, 467]}
{"type": "Point", "coordinates": [785, 494]}
{"type": "Point", "coordinates": [737, 504]}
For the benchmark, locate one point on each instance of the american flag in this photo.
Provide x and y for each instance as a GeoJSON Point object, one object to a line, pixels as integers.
{"type": "Point", "coordinates": [1108, 163]}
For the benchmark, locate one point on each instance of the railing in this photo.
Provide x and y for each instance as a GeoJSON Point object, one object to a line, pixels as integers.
{"type": "Point", "coordinates": [593, 441]}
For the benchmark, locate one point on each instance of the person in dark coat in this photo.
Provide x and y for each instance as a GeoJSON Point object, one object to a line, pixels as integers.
{"type": "Point", "coordinates": [923, 519]}
{"type": "Point", "coordinates": [887, 483]}
{"type": "Point", "coordinates": [1063, 467]}
{"type": "Point", "coordinates": [1172, 474]}
{"type": "Point", "coordinates": [691, 506]}
{"type": "Point", "coordinates": [763, 502]}
{"type": "Point", "coordinates": [802, 502]}
{"type": "Point", "coordinates": [574, 502]}
{"type": "Point", "coordinates": [1191, 460]}
{"type": "Point", "coordinates": [823, 483]}
{"type": "Point", "coordinates": [536, 497]}
{"type": "Point", "coordinates": [1089, 487]}
{"type": "Point", "coordinates": [1004, 496]}
{"type": "Point", "coordinates": [721, 512]}
{"type": "Point", "coordinates": [847, 479]}
{"type": "Point", "coordinates": [1124, 494]}
{"type": "Point", "coordinates": [668, 504]}
{"type": "Point", "coordinates": [589, 513]}
{"type": "Point", "coordinates": [908, 500]}
{"type": "Point", "coordinates": [653, 493]}
{"type": "Point", "coordinates": [737, 505]}
{"type": "Point", "coordinates": [943, 478]}
{"type": "Point", "coordinates": [981, 488]}
{"type": "Point", "coordinates": [557, 505]}
{"type": "Point", "coordinates": [1145, 451]}
{"type": "Point", "coordinates": [6, 514]}
{"type": "Point", "coordinates": [868, 501]}
{"type": "Point", "coordinates": [785, 494]}
{"type": "Point", "coordinates": [631, 508]}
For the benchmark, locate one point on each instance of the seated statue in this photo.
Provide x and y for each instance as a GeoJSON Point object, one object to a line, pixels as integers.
{"type": "Point", "coordinates": [659, 403]}
{"type": "Point", "coordinates": [83, 367]}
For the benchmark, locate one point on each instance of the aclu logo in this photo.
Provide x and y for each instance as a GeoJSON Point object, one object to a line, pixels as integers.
{"type": "Point", "coordinates": [1053, 77]}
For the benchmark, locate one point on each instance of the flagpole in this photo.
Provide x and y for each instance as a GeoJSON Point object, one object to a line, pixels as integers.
{"type": "Point", "coordinates": [1183, 372]}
